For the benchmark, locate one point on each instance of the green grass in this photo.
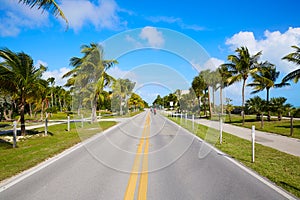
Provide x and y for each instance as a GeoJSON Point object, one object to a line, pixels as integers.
{"type": "Point", "coordinates": [281, 168]}
{"type": "Point", "coordinates": [274, 126]}
{"type": "Point", "coordinates": [38, 148]}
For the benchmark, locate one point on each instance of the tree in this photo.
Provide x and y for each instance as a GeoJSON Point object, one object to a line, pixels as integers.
{"type": "Point", "coordinates": [229, 107]}
{"type": "Point", "coordinates": [136, 102]}
{"type": "Point", "coordinates": [21, 78]}
{"type": "Point", "coordinates": [294, 58]}
{"type": "Point", "coordinates": [49, 5]}
{"type": "Point", "coordinates": [278, 105]}
{"type": "Point", "coordinates": [199, 86]}
{"type": "Point", "coordinates": [223, 74]}
{"type": "Point", "coordinates": [240, 66]}
{"type": "Point", "coordinates": [265, 79]}
{"type": "Point", "coordinates": [122, 89]}
{"type": "Point", "coordinates": [89, 77]}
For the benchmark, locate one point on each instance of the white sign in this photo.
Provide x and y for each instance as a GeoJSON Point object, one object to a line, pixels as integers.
{"type": "Point", "coordinates": [171, 103]}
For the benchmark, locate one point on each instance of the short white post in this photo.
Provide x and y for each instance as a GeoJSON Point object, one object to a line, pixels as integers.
{"type": "Point", "coordinates": [15, 134]}
{"type": "Point", "coordinates": [193, 121]}
{"type": "Point", "coordinates": [185, 118]}
{"type": "Point", "coordinates": [46, 126]}
{"type": "Point", "coordinates": [68, 123]}
{"type": "Point", "coordinates": [181, 117]}
{"type": "Point", "coordinates": [221, 130]}
{"type": "Point", "coordinates": [82, 120]}
{"type": "Point", "coordinates": [253, 143]}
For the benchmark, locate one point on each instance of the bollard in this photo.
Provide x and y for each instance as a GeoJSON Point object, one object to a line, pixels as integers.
{"type": "Point", "coordinates": [82, 120]}
{"type": "Point", "coordinates": [253, 143]}
{"type": "Point", "coordinates": [221, 130]}
{"type": "Point", "coordinates": [46, 126]}
{"type": "Point", "coordinates": [185, 118]}
{"type": "Point", "coordinates": [68, 123]}
{"type": "Point", "coordinates": [193, 121]}
{"type": "Point", "coordinates": [15, 134]}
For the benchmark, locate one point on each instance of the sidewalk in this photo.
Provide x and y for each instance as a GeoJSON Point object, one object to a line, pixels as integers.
{"type": "Point", "coordinates": [279, 142]}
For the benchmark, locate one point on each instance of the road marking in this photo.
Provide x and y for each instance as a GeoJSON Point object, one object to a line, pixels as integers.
{"type": "Point", "coordinates": [141, 154]}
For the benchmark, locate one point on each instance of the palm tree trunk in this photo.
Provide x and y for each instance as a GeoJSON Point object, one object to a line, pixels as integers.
{"type": "Point", "coordinates": [268, 106]}
{"type": "Point", "coordinates": [213, 103]}
{"type": "Point", "coordinates": [30, 110]}
{"type": "Point", "coordinates": [199, 103]}
{"type": "Point", "coordinates": [243, 101]}
{"type": "Point", "coordinates": [221, 100]}
{"type": "Point", "coordinates": [22, 113]}
{"type": "Point", "coordinates": [94, 109]}
{"type": "Point", "coordinates": [210, 108]}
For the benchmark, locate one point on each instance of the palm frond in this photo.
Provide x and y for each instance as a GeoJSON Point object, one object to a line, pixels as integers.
{"type": "Point", "coordinates": [49, 5]}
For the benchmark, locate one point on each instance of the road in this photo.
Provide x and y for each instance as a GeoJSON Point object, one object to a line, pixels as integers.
{"type": "Point", "coordinates": [147, 157]}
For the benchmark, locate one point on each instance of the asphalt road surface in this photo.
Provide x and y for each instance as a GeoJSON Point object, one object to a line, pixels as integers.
{"type": "Point", "coordinates": [146, 157]}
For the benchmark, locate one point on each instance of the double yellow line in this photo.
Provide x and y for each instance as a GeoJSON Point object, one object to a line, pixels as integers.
{"type": "Point", "coordinates": [141, 155]}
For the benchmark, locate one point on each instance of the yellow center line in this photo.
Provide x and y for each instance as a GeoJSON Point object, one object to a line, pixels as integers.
{"type": "Point", "coordinates": [143, 183]}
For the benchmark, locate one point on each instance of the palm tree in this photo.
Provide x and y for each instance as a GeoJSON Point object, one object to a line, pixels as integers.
{"type": "Point", "coordinates": [122, 89]}
{"type": "Point", "coordinates": [294, 58]}
{"type": "Point", "coordinates": [240, 66]}
{"type": "Point", "coordinates": [265, 79]}
{"type": "Point", "coordinates": [199, 86]}
{"type": "Point", "coordinates": [49, 5]}
{"type": "Point", "coordinates": [224, 75]}
{"type": "Point", "coordinates": [21, 78]}
{"type": "Point", "coordinates": [278, 105]}
{"type": "Point", "coordinates": [89, 75]}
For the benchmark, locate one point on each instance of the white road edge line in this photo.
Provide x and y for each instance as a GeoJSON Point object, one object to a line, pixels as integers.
{"type": "Point", "coordinates": [249, 171]}
{"type": "Point", "coordinates": [23, 175]}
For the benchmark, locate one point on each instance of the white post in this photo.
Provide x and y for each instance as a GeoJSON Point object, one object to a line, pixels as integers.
{"type": "Point", "coordinates": [193, 121]}
{"type": "Point", "coordinates": [82, 120]}
{"type": "Point", "coordinates": [46, 126]}
{"type": "Point", "coordinates": [181, 117]}
{"type": "Point", "coordinates": [253, 143]}
{"type": "Point", "coordinates": [221, 130]}
{"type": "Point", "coordinates": [185, 118]}
{"type": "Point", "coordinates": [15, 134]}
{"type": "Point", "coordinates": [68, 123]}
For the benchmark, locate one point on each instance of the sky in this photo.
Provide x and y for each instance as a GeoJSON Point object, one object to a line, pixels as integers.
{"type": "Point", "coordinates": [161, 45]}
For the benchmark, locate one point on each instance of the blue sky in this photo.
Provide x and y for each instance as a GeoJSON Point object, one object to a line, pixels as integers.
{"type": "Point", "coordinates": [181, 37]}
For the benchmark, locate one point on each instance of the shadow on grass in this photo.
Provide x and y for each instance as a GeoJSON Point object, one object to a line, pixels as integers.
{"type": "Point", "coordinates": [28, 132]}
{"type": "Point", "coordinates": [5, 145]}
{"type": "Point", "coordinates": [288, 126]}
{"type": "Point", "coordinates": [290, 186]}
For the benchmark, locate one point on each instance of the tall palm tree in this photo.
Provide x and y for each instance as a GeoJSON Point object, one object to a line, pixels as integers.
{"type": "Point", "coordinates": [294, 58]}
{"type": "Point", "coordinates": [209, 80]}
{"type": "Point", "coordinates": [223, 74]}
{"type": "Point", "coordinates": [89, 75]}
{"type": "Point", "coordinates": [241, 65]}
{"type": "Point", "coordinates": [49, 5]}
{"type": "Point", "coordinates": [265, 79]}
{"type": "Point", "coordinates": [21, 78]}
{"type": "Point", "coordinates": [199, 86]}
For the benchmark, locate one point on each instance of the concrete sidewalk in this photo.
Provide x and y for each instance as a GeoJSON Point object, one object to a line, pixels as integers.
{"type": "Point", "coordinates": [279, 142]}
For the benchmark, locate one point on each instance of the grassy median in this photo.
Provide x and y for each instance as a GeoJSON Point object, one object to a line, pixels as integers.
{"type": "Point", "coordinates": [281, 168]}
{"type": "Point", "coordinates": [38, 148]}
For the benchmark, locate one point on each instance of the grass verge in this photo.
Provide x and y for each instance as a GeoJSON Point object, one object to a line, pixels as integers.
{"type": "Point", "coordinates": [38, 148]}
{"type": "Point", "coordinates": [281, 168]}
{"type": "Point", "coordinates": [274, 126]}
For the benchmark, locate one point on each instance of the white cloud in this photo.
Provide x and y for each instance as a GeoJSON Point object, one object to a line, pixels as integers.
{"type": "Point", "coordinates": [102, 15]}
{"type": "Point", "coordinates": [116, 72]}
{"type": "Point", "coordinates": [16, 16]}
{"type": "Point", "coordinates": [213, 64]}
{"type": "Point", "coordinates": [153, 36]}
{"type": "Point", "coordinates": [175, 20]}
{"type": "Point", "coordinates": [57, 73]}
{"type": "Point", "coordinates": [274, 45]}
